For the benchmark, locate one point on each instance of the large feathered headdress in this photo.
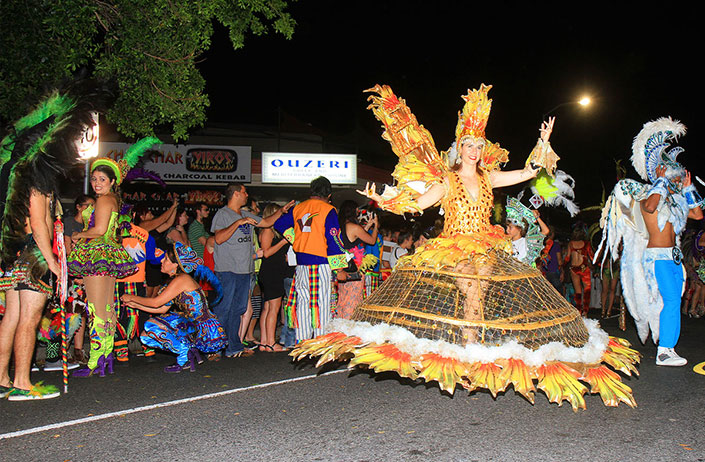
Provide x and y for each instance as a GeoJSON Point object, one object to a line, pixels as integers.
{"type": "Point", "coordinates": [472, 121]}
{"type": "Point", "coordinates": [650, 147]}
{"type": "Point", "coordinates": [39, 151]}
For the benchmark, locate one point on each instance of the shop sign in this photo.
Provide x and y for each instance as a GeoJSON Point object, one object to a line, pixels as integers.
{"type": "Point", "coordinates": [283, 167]}
{"type": "Point", "coordinates": [193, 163]}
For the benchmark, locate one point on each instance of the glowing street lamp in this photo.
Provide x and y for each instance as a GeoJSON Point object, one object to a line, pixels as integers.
{"type": "Point", "coordinates": [585, 101]}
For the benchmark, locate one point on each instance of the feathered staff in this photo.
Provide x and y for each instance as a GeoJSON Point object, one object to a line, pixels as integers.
{"type": "Point", "coordinates": [556, 191]}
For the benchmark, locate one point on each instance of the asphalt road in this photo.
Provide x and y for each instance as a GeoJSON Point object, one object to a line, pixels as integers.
{"type": "Point", "coordinates": [266, 408]}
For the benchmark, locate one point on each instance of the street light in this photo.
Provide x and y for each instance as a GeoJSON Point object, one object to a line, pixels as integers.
{"type": "Point", "coordinates": [585, 101]}
{"type": "Point", "coordinates": [88, 149]}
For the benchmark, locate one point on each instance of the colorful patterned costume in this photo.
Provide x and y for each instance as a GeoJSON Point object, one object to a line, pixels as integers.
{"type": "Point", "coordinates": [102, 256]}
{"type": "Point", "coordinates": [189, 324]}
{"type": "Point", "coordinates": [582, 300]}
{"type": "Point", "coordinates": [461, 310]}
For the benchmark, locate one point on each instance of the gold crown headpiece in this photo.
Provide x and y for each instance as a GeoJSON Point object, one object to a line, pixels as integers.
{"type": "Point", "coordinates": [472, 120]}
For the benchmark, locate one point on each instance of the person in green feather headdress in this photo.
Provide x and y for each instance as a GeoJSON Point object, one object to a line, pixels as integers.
{"type": "Point", "coordinates": [39, 150]}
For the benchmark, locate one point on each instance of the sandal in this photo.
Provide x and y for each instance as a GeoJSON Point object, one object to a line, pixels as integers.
{"type": "Point", "coordinates": [241, 353]}
{"type": "Point", "coordinates": [4, 391]}
{"type": "Point", "coordinates": [38, 391]}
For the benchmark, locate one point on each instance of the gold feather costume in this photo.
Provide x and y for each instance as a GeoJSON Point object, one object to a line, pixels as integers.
{"type": "Point", "coordinates": [461, 310]}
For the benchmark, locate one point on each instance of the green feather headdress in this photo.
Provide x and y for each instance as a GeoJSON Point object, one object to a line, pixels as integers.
{"type": "Point", "coordinates": [39, 151]}
{"type": "Point", "coordinates": [132, 156]}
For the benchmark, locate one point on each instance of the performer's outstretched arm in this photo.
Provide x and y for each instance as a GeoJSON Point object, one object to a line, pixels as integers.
{"type": "Point", "coordinates": [431, 197]}
{"type": "Point", "coordinates": [512, 177]}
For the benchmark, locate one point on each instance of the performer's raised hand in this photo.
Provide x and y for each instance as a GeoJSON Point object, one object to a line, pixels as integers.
{"type": "Point", "coordinates": [547, 128]}
{"type": "Point", "coordinates": [687, 181]}
{"type": "Point", "coordinates": [370, 192]}
{"type": "Point", "coordinates": [660, 171]}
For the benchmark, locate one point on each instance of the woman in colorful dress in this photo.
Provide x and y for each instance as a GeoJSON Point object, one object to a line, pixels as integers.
{"type": "Point", "coordinates": [461, 310]}
{"type": "Point", "coordinates": [99, 257]}
{"type": "Point", "coordinates": [185, 325]}
{"type": "Point", "coordinates": [579, 259]}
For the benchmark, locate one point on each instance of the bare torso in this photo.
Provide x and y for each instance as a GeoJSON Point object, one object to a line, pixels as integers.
{"type": "Point", "coordinates": [658, 238]}
{"type": "Point", "coordinates": [576, 258]}
{"type": "Point", "coordinates": [45, 217]}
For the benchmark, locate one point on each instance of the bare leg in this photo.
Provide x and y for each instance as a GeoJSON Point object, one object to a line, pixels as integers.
{"type": "Point", "coordinates": [245, 321]}
{"type": "Point", "coordinates": [603, 296]}
{"type": "Point", "coordinates": [31, 307]}
{"type": "Point", "coordinates": [698, 296]}
{"type": "Point", "coordinates": [263, 325]}
{"type": "Point", "coordinates": [80, 334]}
{"type": "Point", "coordinates": [613, 289]}
{"type": "Point", "coordinates": [268, 323]}
{"type": "Point", "coordinates": [694, 298]}
{"type": "Point", "coordinates": [577, 287]}
{"type": "Point", "coordinates": [8, 327]}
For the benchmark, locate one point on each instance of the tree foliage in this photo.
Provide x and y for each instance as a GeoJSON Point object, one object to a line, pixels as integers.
{"type": "Point", "coordinates": [149, 48]}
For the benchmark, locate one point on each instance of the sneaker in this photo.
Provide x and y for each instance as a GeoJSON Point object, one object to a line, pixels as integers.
{"type": "Point", "coordinates": [50, 366]}
{"type": "Point", "coordinates": [38, 391]}
{"type": "Point", "coordinates": [669, 357]}
{"type": "Point", "coordinates": [250, 344]}
{"type": "Point", "coordinates": [34, 368]}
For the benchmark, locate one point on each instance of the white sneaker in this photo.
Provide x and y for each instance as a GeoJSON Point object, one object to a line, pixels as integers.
{"type": "Point", "coordinates": [669, 357]}
{"type": "Point", "coordinates": [58, 366]}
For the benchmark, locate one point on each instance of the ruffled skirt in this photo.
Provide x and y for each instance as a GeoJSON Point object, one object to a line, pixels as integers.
{"type": "Point", "coordinates": [97, 258]}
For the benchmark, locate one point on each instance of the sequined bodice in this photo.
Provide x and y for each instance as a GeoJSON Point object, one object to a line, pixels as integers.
{"type": "Point", "coordinates": [110, 236]}
{"type": "Point", "coordinates": [463, 214]}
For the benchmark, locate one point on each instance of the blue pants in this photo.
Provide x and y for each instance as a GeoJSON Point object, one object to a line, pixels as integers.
{"type": "Point", "coordinates": [172, 332]}
{"type": "Point", "coordinates": [236, 293]}
{"type": "Point", "coordinates": [670, 284]}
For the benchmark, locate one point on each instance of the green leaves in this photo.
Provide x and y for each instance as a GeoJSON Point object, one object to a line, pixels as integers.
{"type": "Point", "coordinates": [148, 47]}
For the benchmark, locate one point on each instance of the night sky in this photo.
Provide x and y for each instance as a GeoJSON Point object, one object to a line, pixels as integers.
{"type": "Point", "coordinates": [637, 63]}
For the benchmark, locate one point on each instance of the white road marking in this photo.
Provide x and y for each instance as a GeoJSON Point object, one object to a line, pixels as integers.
{"type": "Point", "coordinates": [133, 410]}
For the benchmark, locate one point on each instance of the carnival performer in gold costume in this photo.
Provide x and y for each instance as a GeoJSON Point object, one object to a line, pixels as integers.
{"type": "Point", "coordinates": [461, 309]}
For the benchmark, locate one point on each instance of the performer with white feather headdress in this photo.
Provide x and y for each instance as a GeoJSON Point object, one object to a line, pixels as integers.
{"type": "Point", "coordinates": [650, 218]}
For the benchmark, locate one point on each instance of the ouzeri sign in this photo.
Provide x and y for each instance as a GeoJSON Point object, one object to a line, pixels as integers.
{"type": "Point", "coordinates": [285, 167]}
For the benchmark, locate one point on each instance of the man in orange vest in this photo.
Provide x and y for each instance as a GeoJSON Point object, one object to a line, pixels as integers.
{"type": "Point", "coordinates": [313, 230]}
